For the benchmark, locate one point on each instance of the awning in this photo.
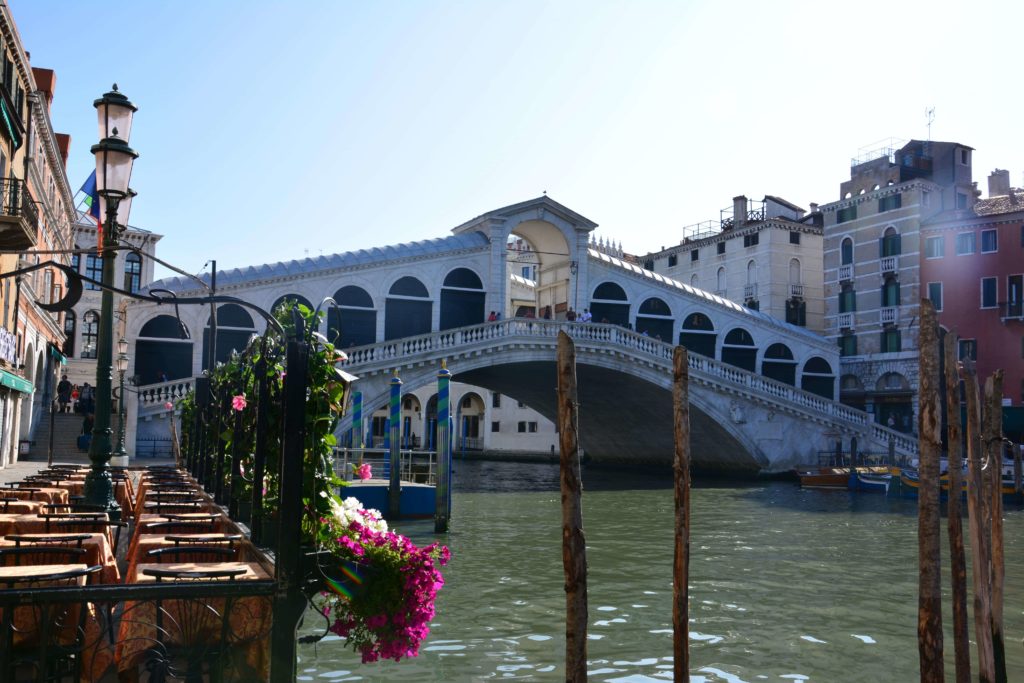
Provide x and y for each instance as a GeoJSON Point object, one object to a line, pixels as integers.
{"type": "Point", "coordinates": [57, 355]}
{"type": "Point", "coordinates": [11, 380]}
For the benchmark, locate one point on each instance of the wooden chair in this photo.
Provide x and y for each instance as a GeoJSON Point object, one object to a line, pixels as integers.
{"type": "Point", "coordinates": [19, 556]}
{"type": "Point", "coordinates": [70, 540]}
{"type": "Point", "coordinates": [206, 552]}
{"type": "Point", "coordinates": [92, 526]}
{"type": "Point", "coordinates": [178, 526]}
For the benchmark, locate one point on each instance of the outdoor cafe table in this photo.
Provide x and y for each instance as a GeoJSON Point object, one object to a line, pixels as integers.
{"type": "Point", "coordinates": [34, 524]}
{"type": "Point", "coordinates": [221, 524]}
{"type": "Point", "coordinates": [97, 552]}
{"type": "Point", "coordinates": [143, 502]}
{"type": "Point", "coordinates": [96, 649]}
{"type": "Point", "coordinates": [122, 489]}
{"type": "Point", "coordinates": [143, 543]}
{"type": "Point", "coordinates": [45, 494]}
{"type": "Point", "coordinates": [249, 620]}
{"type": "Point", "coordinates": [21, 507]}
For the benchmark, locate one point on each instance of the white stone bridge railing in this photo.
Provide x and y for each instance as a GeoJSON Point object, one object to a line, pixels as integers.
{"type": "Point", "coordinates": [153, 398]}
{"type": "Point", "coordinates": [603, 336]}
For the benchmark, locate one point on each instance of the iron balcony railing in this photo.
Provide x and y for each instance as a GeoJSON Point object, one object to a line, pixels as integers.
{"type": "Point", "coordinates": [17, 211]}
{"type": "Point", "coordinates": [796, 290]}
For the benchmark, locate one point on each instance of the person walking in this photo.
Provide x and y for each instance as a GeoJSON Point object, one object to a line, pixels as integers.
{"type": "Point", "coordinates": [64, 393]}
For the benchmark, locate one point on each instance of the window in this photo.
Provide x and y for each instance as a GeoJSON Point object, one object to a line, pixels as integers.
{"type": "Point", "coordinates": [891, 292]}
{"type": "Point", "coordinates": [532, 426]}
{"type": "Point", "coordinates": [847, 214]}
{"type": "Point", "coordinates": [935, 294]}
{"type": "Point", "coordinates": [520, 404]}
{"type": "Point", "coordinates": [720, 247]}
{"type": "Point", "coordinates": [794, 237]}
{"type": "Point", "coordinates": [525, 272]}
{"type": "Point", "coordinates": [989, 241]}
{"type": "Point", "coordinates": [94, 270]}
{"type": "Point", "coordinates": [90, 334]}
{"type": "Point", "coordinates": [74, 262]}
{"type": "Point", "coordinates": [890, 340]}
{"type": "Point", "coordinates": [1022, 235]}
{"type": "Point", "coordinates": [846, 251]}
{"type": "Point", "coordinates": [521, 428]}
{"type": "Point", "coordinates": [495, 400]}
{"type": "Point", "coordinates": [495, 427]}
{"type": "Point", "coordinates": [988, 292]}
{"type": "Point", "coordinates": [673, 259]}
{"type": "Point", "coordinates": [69, 334]}
{"type": "Point", "coordinates": [926, 198]}
{"type": "Point", "coordinates": [47, 293]}
{"type": "Point", "coordinates": [751, 240]}
{"type": "Point", "coordinates": [893, 201]}
{"type": "Point", "coordinates": [961, 200]}
{"type": "Point", "coordinates": [934, 247]}
{"type": "Point", "coordinates": [648, 264]}
{"type": "Point", "coordinates": [847, 300]}
{"type": "Point", "coordinates": [965, 157]}
{"type": "Point", "coordinates": [132, 272]}
{"type": "Point", "coordinates": [968, 349]}
{"type": "Point", "coordinates": [848, 345]}
{"type": "Point", "coordinates": [694, 255]}
{"type": "Point", "coordinates": [796, 312]}
{"type": "Point", "coordinates": [965, 243]}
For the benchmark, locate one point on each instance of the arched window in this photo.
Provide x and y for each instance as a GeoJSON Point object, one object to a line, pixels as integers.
{"type": "Point", "coordinates": [163, 349]}
{"type": "Point", "coordinates": [234, 329]}
{"type": "Point", "coordinates": [462, 299]}
{"type": "Point", "coordinates": [694, 280]}
{"type": "Point", "coordinates": [890, 292]}
{"type": "Point", "coordinates": [846, 251]}
{"type": "Point", "coordinates": [751, 272]}
{"type": "Point", "coordinates": [698, 335]}
{"type": "Point", "coordinates": [847, 299]}
{"type": "Point", "coordinates": [655, 318]}
{"type": "Point", "coordinates": [889, 245]}
{"type": "Point", "coordinates": [289, 300]}
{"type": "Point", "coordinates": [90, 333]}
{"type": "Point", "coordinates": [720, 290]}
{"type": "Point", "coordinates": [794, 271]}
{"type": "Point", "coordinates": [69, 334]}
{"type": "Point", "coordinates": [738, 349]}
{"type": "Point", "coordinates": [609, 304]}
{"type": "Point", "coordinates": [132, 272]}
{"type": "Point", "coordinates": [778, 364]}
{"type": "Point", "coordinates": [407, 309]}
{"type": "Point", "coordinates": [818, 378]}
{"type": "Point", "coordinates": [354, 321]}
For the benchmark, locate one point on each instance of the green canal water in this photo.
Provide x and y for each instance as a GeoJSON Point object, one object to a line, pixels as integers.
{"type": "Point", "coordinates": [786, 584]}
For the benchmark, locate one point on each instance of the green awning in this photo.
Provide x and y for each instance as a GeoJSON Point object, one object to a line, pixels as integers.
{"type": "Point", "coordinates": [11, 380]}
{"type": "Point", "coordinates": [57, 355]}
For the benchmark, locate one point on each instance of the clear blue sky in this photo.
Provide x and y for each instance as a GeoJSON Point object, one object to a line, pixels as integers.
{"type": "Point", "coordinates": [269, 129]}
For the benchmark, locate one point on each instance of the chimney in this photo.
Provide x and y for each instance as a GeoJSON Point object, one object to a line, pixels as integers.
{"type": "Point", "coordinates": [739, 211]}
{"type": "Point", "coordinates": [63, 146]}
{"type": "Point", "coordinates": [45, 80]}
{"type": "Point", "coordinates": [998, 183]}
{"type": "Point", "coordinates": [814, 207]}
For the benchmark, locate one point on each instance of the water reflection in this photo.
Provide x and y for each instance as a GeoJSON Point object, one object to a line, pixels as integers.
{"type": "Point", "coordinates": [785, 583]}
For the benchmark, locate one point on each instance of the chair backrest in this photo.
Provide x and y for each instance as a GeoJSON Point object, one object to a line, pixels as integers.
{"type": "Point", "coordinates": [73, 540]}
{"type": "Point", "coordinates": [19, 556]}
{"type": "Point", "coordinates": [67, 508]}
{"type": "Point", "coordinates": [176, 505]}
{"type": "Point", "coordinates": [193, 553]}
{"type": "Point", "coordinates": [200, 526]}
{"type": "Point", "coordinates": [95, 526]}
{"type": "Point", "coordinates": [195, 575]}
{"type": "Point", "coordinates": [230, 539]}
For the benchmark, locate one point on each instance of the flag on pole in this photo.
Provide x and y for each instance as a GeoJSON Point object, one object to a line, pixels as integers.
{"type": "Point", "coordinates": [92, 200]}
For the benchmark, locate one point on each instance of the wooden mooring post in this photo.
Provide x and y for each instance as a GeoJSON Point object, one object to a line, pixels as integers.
{"type": "Point", "coordinates": [395, 444]}
{"type": "Point", "coordinates": [929, 602]}
{"type": "Point", "coordinates": [992, 432]}
{"type": "Point", "coordinates": [574, 549]}
{"type": "Point", "coordinates": [442, 490]}
{"type": "Point", "coordinates": [977, 516]}
{"type": "Point", "coordinates": [955, 527]}
{"type": "Point", "coordinates": [681, 557]}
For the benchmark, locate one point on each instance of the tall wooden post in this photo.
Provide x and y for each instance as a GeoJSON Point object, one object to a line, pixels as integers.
{"type": "Point", "coordinates": [957, 561]}
{"type": "Point", "coordinates": [929, 601]}
{"type": "Point", "coordinates": [681, 558]}
{"type": "Point", "coordinates": [977, 517]}
{"type": "Point", "coordinates": [442, 493]}
{"type": "Point", "coordinates": [992, 432]}
{"type": "Point", "coordinates": [394, 446]}
{"type": "Point", "coordinates": [357, 422]}
{"type": "Point", "coordinates": [574, 549]}
{"type": "Point", "coordinates": [1018, 472]}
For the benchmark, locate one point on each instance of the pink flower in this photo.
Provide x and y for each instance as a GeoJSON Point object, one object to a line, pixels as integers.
{"type": "Point", "coordinates": [238, 402]}
{"type": "Point", "coordinates": [168, 406]}
{"type": "Point", "coordinates": [364, 471]}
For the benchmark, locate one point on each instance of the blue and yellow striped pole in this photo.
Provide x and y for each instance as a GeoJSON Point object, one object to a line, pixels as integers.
{"type": "Point", "coordinates": [442, 497]}
{"type": "Point", "coordinates": [395, 440]}
{"type": "Point", "coordinates": [357, 422]}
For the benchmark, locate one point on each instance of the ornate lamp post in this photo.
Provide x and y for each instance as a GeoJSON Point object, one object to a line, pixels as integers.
{"type": "Point", "coordinates": [114, 159]}
{"type": "Point", "coordinates": [122, 367]}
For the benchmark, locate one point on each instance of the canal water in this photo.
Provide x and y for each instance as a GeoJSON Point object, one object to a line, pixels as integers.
{"type": "Point", "coordinates": [785, 584]}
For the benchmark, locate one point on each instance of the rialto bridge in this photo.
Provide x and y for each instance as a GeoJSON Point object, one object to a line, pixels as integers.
{"type": "Point", "coordinates": [762, 391]}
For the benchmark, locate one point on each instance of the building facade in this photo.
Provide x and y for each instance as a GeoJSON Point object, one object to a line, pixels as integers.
{"type": "Point", "coordinates": [973, 271]}
{"type": "Point", "coordinates": [764, 254]}
{"type": "Point", "coordinates": [872, 268]}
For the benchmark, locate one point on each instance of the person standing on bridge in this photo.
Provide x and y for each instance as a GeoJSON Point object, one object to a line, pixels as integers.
{"type": "Point", "coordinates": [492, 317]}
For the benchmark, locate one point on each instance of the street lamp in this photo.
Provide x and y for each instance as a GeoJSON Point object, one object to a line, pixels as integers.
{"type": "Point", "coordinates": [114, 159]}
{"type": "Point", "coordinates": [122, 367]}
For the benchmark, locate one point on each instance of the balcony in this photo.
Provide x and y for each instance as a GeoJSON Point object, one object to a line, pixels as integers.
{"type": "Point", "coordinates": [890, 264]}
{"type": "Point", "coordinates": [1012, 310]}
{"type": "Point", "coordinates": [750, 291]}
{"type": "Point", "coordinates": [19, 218]}
{"type": "Point", "coordinates": [889, 315]}
{"type": "Point", "coordinates": [846, 321]}
{"type": "Point", "coordinates": [846, 273]}
{"type": "Point", "coordinates": [796, 291]}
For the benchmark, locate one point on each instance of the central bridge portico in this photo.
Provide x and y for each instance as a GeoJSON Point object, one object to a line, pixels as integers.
{"type": "Point", "coordinates": [770, 386]}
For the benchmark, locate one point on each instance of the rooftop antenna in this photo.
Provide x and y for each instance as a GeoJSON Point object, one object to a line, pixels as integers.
{"type": "Point", "coordinates": [929, 114]}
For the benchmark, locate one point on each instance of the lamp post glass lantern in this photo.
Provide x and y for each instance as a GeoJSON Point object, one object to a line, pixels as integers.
{"type": "Point", "coordinates": [114, 159]}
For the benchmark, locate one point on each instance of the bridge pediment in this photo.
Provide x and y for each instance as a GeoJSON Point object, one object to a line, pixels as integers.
{"type": "Point", "coordinates": [542, 208]}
